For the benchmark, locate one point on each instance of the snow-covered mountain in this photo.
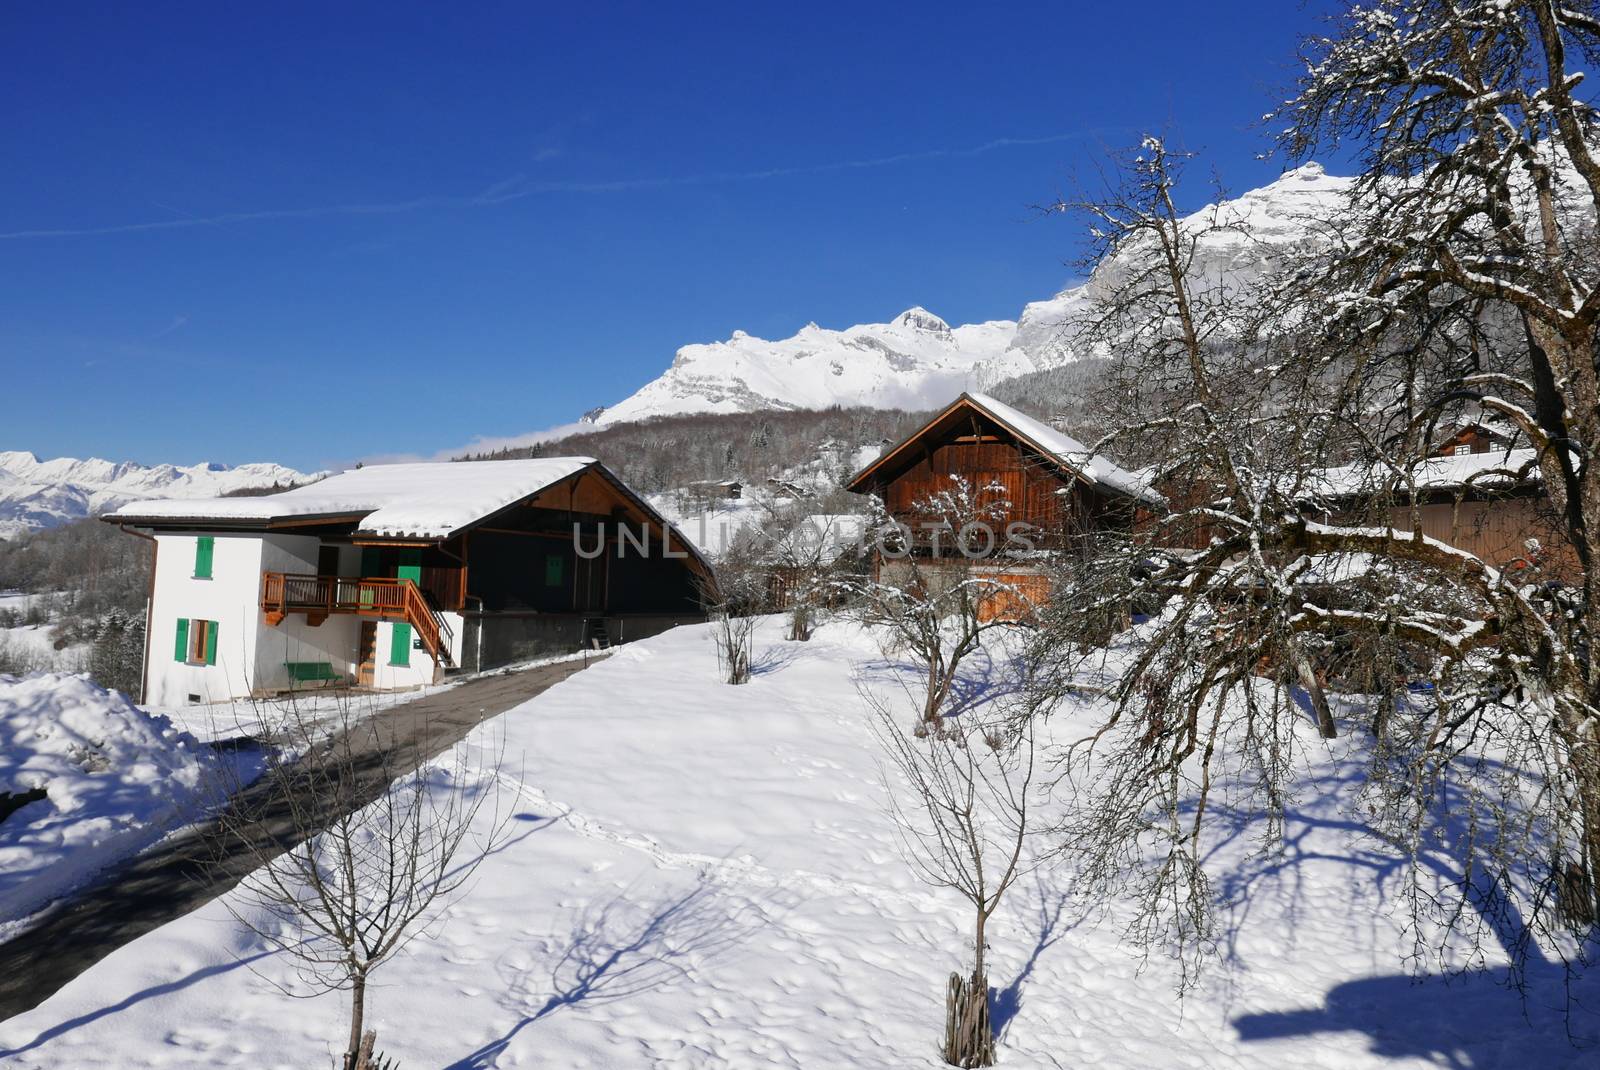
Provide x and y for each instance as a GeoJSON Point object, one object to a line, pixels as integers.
{"type": "Point", "coordinates": [913, 361]}
{"type": "Point", "coordinates": [1276, 216]}
{"type": "Point", "coordinates": [917, 361]}
{"type": "Point", "coordinates": [39, 494]}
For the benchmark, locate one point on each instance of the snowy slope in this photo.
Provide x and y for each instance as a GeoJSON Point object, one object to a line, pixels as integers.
{"type": "Point", "coordinates": [703, 876]}
{"type": "Point", "coordinates": [1276, 216]}
{"type": "Point", "coordinates": [917, 361]}
{"type": "Point", "coordinates": [116, 779]}
{"type": "Point", "coordinates": [39, 494]}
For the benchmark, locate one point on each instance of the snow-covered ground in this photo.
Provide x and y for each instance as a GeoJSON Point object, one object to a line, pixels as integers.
{"type": "Point", "coordinates": [307, 711]}
{"type": "Point", "coordinates": [714, 526]}
{"type": "Point", "coordinates": [33, 646]}
{"type": "Point", "coordinates": [700, 875]}
{"type": "Point", "coordinates": [116, 780]}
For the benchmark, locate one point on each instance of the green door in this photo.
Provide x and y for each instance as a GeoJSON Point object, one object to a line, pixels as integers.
{"type": "Point", "coordinates": [400, 644]}
{"type": "Point", "coordinates": [410, 567]}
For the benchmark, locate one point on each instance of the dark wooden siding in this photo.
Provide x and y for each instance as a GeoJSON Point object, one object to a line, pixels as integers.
{"type": "Point", "coordinates": [1040, 494]}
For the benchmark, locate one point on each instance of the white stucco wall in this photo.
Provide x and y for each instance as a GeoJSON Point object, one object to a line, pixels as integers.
{"type": "Point", "coordinates": [387, 677]}
{"type": "Point", "coordinates": [230, 597]}
{"type": "Point", "coordinates": [293, 638]}
{"type": "Point", "coordinates": [251, 654]}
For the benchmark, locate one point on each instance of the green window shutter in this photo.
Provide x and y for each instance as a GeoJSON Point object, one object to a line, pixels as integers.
{"type": "Point", "coordinates": [400, 645]}
{"type": "Point", "coordinates": [554, 567]}
{"type": "Point", "coordinates": [204, 547]}
{"type": "Point", "coordinates": [180, 650]}
{"type": "Point", "coordinates": [211, 642]}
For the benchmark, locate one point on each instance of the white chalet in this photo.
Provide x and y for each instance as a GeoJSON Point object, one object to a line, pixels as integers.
{"type": "Point", "coordinates": [386, 576]}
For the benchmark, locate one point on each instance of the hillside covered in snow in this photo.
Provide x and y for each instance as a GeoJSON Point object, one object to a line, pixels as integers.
{"type": "Point", "coordinates": [38, 494]}
{"type": "Point", "coordinates": [698, 875]}
{"type": "Point", "coordinates": [917, 361]}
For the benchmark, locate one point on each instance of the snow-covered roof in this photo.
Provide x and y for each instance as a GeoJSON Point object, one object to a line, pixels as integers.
{"type": "Point", "coordinates": [1498, 469]}
{"type": "Point", "coordinates": [1069, 450]}
{"type": "Point", "coordinates": [427, 501]}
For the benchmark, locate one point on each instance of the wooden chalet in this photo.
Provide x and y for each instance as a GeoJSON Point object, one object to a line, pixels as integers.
{"type": "Point", "coordinates": [1056, 491]}
{"type": "Point", "coordinates": [388, 575]}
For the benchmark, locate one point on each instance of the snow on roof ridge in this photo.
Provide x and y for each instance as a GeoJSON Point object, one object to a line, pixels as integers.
{"type": "Point", "coordinates": [431, 499]}
{"type": "Point", "coordinates": [1443, 472]}
{"type": "Point", "coordinates": [1060, 444]}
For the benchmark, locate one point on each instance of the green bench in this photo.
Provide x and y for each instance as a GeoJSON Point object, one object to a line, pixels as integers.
{"type": "Point", "coordinates": [311, 672]}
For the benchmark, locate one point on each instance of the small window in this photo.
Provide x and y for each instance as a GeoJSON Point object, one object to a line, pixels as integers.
{"type": "Point", "coordinates": [204, 547]}
{"type": "Point", "coordinates": [554, 570]}
{"type": "Point", "coordinates": [197, 641]}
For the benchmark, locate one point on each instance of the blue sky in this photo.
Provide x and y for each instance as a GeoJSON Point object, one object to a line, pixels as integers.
{"type": "Point", "coordinates": [314, 233]}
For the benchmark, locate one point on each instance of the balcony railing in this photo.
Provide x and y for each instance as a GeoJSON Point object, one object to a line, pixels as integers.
{"type": "Point", "coordinates": [368, 596]}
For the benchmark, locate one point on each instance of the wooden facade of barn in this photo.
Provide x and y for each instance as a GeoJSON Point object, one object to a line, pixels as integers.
{"type": "Point", "coordinates": [1474, 493]}
{"type": "Point", "coordinates": [1038, 489]}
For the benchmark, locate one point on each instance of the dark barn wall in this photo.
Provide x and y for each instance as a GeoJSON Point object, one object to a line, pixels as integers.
{"type": "Point", "coordinates": [532, 593]}
{"type": "Point", "coordinates": [514, 572]}
{"type": "Point", "coordinates": [512, 637]}
{"type": "Point", "coordinates": [522, 572]}
{"type": "Point", "coordinates": [653, 584]}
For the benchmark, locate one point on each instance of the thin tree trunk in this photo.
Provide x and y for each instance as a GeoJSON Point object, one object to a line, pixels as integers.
{"type": "Point", "coordinates": [358, 1011]}
{"type": "Point", "coordinates": [1319, 699]}
{"type": "Point", "coordinates": [978, 942]}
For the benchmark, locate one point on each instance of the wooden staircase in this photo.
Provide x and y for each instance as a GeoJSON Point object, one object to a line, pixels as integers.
{"type": "Point", "coordinates": [319, 597]}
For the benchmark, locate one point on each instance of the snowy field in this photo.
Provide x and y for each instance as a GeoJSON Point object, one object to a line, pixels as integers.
{"type": "Point", "coordinates": [32, 645]}
{"type": "Point", "coordinates": [700, 875]}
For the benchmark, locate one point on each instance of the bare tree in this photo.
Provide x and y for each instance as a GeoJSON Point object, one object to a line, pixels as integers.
{"type": "Point", "coordinates": [1459, 275]}
{"type": "Point", "coordinates": [960, 799]}
{"type": "Point", "coordinates": [361, 841]}
{"type": "Point", "coordinates": [732, 602]}
{"type": "Point", "coordinates": [936, 592]}
{"type": "Point", "coordinates": [1475, 243]}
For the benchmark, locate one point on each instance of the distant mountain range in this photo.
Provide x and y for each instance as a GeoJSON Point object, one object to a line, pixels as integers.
{"type": "Point", "coordinates": [917, 361]}
{"type": "Point", "coordinates": [39, 494]}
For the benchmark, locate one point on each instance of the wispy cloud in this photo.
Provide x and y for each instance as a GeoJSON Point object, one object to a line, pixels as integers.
{"type": "Point", "coordinates": [520, 187]}
{"type": "Point", "coordinates": [186, 222]}
{"type": "Point", "coordinates": [517, 188]}
{"type": "Point", "coordinates": [489, 444]}
{"type": "Point", "coordinates": [178, 322]}
{"type": "Point", "coordinates": [479, 444]}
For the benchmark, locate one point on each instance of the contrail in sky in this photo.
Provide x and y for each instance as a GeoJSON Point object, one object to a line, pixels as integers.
{"type": "Point", "coordinates": [518, 188]}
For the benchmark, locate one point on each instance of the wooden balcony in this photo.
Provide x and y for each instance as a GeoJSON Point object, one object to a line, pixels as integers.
{"type": "Point", "coordinates": [319, 597]}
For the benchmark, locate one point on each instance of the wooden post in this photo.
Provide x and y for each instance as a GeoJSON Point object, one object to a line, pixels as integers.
{"type": "Point", "coordinates": [968, 1034]}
